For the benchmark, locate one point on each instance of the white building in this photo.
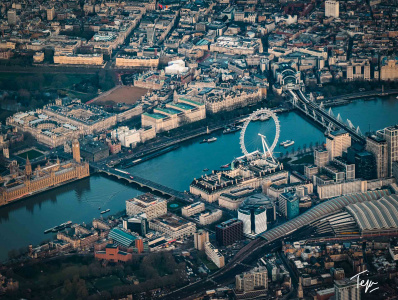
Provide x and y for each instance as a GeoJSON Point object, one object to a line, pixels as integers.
{"type": "Point", "coordinates": [173, 226]}
{"type": "Point", "coordinates": [200, 238]}
{"type": "Point", "coordinates": [127, 137]}
{"type": "Point", "coordinates": [214, 255]}
{"type": "Point", "coordinates": [255, 279]}
{"type": "Point", "coordinates": [337, 142]}
{"type": "Point", "coordinates": [332, 9]}
{"type": "Point", "coordinates": [153, 206]}
{"type": "Point", "coordinates": [210, 217]}
{"type": "Point", "coordinates": [253, 213]}
{"type": "Point", "coordinates": [192, 209]}
{"type": "Point", "coordinates": [176, 67]}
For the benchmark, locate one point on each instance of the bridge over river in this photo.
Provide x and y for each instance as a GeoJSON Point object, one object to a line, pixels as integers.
{"type": "Point", "coordinates": [324, 118]}
{"type": "Point", "coordinates": [142, 182]}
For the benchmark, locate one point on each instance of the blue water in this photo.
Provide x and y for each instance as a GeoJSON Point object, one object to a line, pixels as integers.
{"type": "Point", "coordinates": [23, 223]}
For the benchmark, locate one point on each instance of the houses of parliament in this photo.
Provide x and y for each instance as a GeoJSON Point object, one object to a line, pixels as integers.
{"type": "Point", "coordinates": [21, 183]}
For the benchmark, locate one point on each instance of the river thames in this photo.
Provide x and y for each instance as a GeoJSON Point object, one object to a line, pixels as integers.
{"type": "Point", "coordinates": [22, 223]}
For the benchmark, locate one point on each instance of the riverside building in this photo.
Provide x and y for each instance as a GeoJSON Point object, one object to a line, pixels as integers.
{"type": "Point", "coordinates": [253, 172]}
{"type": "Point", "coordinates": [24, 183]}
{"type": "Point", "coordinates": [153, 206]}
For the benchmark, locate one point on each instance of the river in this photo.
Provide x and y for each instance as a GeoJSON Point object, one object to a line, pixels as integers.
{"type": "Point", "coordinates": [22, 223]}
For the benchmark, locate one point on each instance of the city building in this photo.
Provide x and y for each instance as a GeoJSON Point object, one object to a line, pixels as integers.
{"type": "Point", "coordinates": [234, 198]}
{"type": "Point", "coordinates": [391, 136]}
{"type": "Point", "coordinates": [78, 59]}
{"type": "Point", "coordinates": [253, 283]}
{"type": "Point", "coordinates": [210, 217]}
{"type": "Point", "coordinates": [138, 224]}
{"type": "Point", "coordinates": [229, 232]}
{"type": "Point", "coordinates": [113, 254]}
{"type": "Point", "coordinates": [93, 151]}
{"type": "Point", "coordinates": [253, 214]}
{"type": "Point", "coordinates": [358, 69]}
{"type": "Point", "coordinates": [311, 170]}
{"type": "Point", "coordinates": [236, 45]}
{"type": "Point", "coordinates": [153, 206]}
{"type": "Point", "coordinates": [214, 255]}
{"type": "Point", "coordinates": [12, 17]}
{"type": "Point", "coordinates": [192, 209]}
{"type": "Point", "coordinates": [378, 147]}
{"type": "Point", "coordinates": [389, 69]}
{"type": "Point", "coordinates": [131, 137]}
{"type": "Point", "coordinates": [245, 172]}
{"type": "Point", "coordinates": [126, 239]}
{"type": "Point", "coordinates": [221, 100]}
{"type": "Point", "coordinates": [346, 289]}
{"type": "Point", "coordinates": [200, 238]}
{"type": "Point", "coordinates": [332, 8]}
{"type": "Point", "coordinates": [174, 114]}
{"type": "Point", "coordinates": [337, 142]}
{"type": "Point", "coordinates": [23, 183]}
{"type": "Point", "coordinates": [62, 121]}
{"type": "Point", "coordinates": [289, 205]}
{"type": "Point", "coordinates": [50, 13]}
{"type": "Point", "coordinates": [321, 157]}
{"type": "Point", "coordinates": [173, 226]}
{"type": "Point", "coordinates": [128, 61]}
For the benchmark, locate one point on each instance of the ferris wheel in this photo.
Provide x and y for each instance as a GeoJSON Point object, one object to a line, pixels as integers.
{"type": "Point", "coordinates": [263, 115]}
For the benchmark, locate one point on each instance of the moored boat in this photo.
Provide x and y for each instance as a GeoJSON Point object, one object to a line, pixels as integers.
{"type": "Point", "coordinates": [285, 142]}
{"type": "Point", "coordinates": [288, 144]}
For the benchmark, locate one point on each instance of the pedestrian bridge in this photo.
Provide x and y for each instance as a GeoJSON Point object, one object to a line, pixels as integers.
{"type": "Point", "coordinates": [321, 116]}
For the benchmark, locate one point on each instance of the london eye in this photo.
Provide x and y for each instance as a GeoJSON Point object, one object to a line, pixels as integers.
{"type": "Point", "coordinates": [266, 134]}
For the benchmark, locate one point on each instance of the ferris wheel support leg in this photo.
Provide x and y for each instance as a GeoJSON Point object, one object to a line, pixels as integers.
{"type": "Point", "coordinates": [265, 146]}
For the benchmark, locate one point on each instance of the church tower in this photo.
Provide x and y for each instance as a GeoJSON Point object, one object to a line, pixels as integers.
{"type": "Point", "coordinates": [76, 150]}
{"type": "Point", "coordinates": [28, 167]}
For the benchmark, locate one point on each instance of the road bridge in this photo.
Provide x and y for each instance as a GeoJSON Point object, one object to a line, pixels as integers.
{"type": "Point", "coordinates": [324, 118]}
{"type": "Point", "coordinates": [142, 182]}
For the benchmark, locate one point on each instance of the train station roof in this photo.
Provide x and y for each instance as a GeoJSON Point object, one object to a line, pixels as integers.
{"type": "Point", "coordinates": [321, 210]}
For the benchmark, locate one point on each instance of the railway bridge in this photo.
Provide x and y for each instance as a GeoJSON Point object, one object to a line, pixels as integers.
{"type": "Point", "coordinates": [325, 118]}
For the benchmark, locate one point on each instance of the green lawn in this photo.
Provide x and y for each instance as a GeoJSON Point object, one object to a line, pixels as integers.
{"type": "Point", "coordinates": [107, 283]}
{"type": "Point", "coordinates": [32, 154]}
{"type": "Point", "coordinates": [306, 159]}
{"type": "Point", "coordinates": [209, 264]}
